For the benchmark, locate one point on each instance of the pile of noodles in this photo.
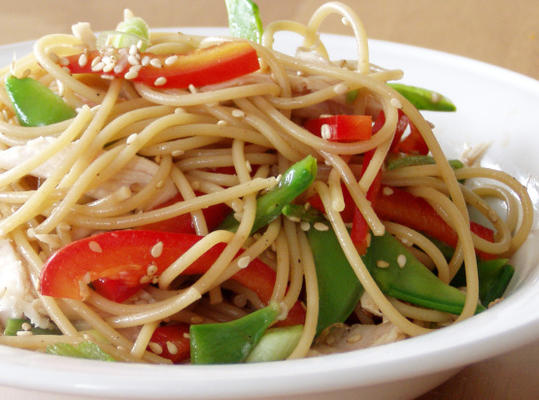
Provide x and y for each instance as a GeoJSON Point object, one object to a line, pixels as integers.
{"type": "Point", "coordinates": [186, 134]}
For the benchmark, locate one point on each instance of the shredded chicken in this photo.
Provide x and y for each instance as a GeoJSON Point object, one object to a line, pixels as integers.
{"type": "Point", "coordinates": [340, 338]}
{"type": "Point", "coordinates": [138, 172]}
{"type": "Point", "coordinates": [16, 293]}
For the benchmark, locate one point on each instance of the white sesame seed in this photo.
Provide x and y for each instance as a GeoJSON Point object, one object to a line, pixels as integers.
{"type": "Point", "coordinates": [240, 300]}
{"type": "Point", "coordinates": [325, 131]}
{"type": "Point", "coordinates": [171, 60]}
{"type": "Point", "coordinates": [387, 191]}
{"type": "Point", "coordinates": [108, 67]}
{"type": "Point", "coordinates": [192, 88]}
{"type": "Point", "coordinates": [152, 269]}
{"type": "Point", "coordinates": [222, 122]}
{"type": "Point", "coordinates": [131, 138]}
{"type": "Point", "coordinates": [248, 166]}
{"type": "Point", "coordinates": [171, 347]}
{"type": "Point", "coordinates": [145, 60]}
{"type": "Point", "coordinates": [345, 21]}
{"type": "Point", "coordinates": [341, 88]}
{"type": "Point", "coordinates": [133, 60]}
{"type": "Point", "coordinates": [140, 43]}
{"type": "Point", "coordinates": [293, 218]}
{"type": "Point", "coordinates": [26, 326]}
{"type": "Point", "coordinates": [382, 264]}
{"type": "Point", "coordinates": [24, 333]}
{"type": "Point", "coordinates": [131, 74]}
{"type": "Point", "coordinates": [160, 81]}
{"type": "Point", "coordinates": [155, 347]}
{"type": "Point", "coordinates": [320, 226]}
{"type": "Point", "coordinates": [83, 60]}
{"type": "Point", "coordinates": [401, 260]}
{"type": "Point", "coordinates": [96, 61]}
{"type": "Point", "coordinates": [156, 62]}
{"type": "Point", "coordinates": [144, 279]}
{"type": "Point", "coordinates": [243, 262]}
{"type": "Point", "coordinates": [157, 250]}
{"type": "Point", "coordinates": [109, 77]}
{"type": "Point", "coordinates": [186, 334]}
{"type": "Point", "coordinates": [238, 113]}
{"type": "Point", "coordinates": [307, 206]}
{"type": "Point", "coordinates": [95, 247]}
{"type": "Point", "coordinates": [305, 226]}
{"type": "Point", "coordinates": [405, 241]}
{"type": "Point", "coordinates": [435, 97]}
{"type": "Point", "coordinates": [395, 102]}
{"type": "Point", "coordinates": [98, 67]}
{"type": "Point", "coordinates": [133, 50]}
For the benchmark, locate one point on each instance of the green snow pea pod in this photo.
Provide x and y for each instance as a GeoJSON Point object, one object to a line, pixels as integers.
{"type": "Point", "coordinates": [399, 274]}
{"type": "Point", "coordinates": [35, 104]}
{"type": "Point", "coordinates": [230, 342]}
{"type": "Point", "coordinates": [424, 99]}
{"type": "Point", "coordinates": [293, 182]}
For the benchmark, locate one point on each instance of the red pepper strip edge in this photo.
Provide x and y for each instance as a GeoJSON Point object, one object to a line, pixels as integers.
{"type": "Point", "coordinates": [126, 255]}
{"type": "Point", "coordinates": [413, 143]}
{"type": "Point", "coordinates": [342, 128]}
{"type": "Point", "coordinates": [201, 67]}
{"type": "Point", "coordinates": [406, 209]}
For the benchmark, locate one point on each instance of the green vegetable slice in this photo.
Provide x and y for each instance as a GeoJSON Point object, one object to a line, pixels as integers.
{"type": "Point", "coordinates": [87, 350]}
{"type": "Point", "coordinates": [407, 161]}
{"type": "Point", "coordinates": [494, 277]}
{"type": "Point", "coordinates": [230, 342]}
{"type": "Point", "coordinates": [14, 325]}
{"type": "Point", "coordinates": [276, 344]}
{"type": "Point", "coordinates": [412, 282]}
{"type": "Point", "coordinates": [35, 104]}
{"type": "Point", "coordinates": [293, 182]}
{"type": "Point", "coordinates": [424, 99]}
{"type": "Point", "coordinates": [244, 20]}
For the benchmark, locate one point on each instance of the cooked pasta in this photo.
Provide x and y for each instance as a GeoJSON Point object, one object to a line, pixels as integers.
{"type": "Point", "coordinates": [139, 155]}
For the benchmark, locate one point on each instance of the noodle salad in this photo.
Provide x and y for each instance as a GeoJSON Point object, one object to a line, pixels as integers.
{"type": "Point", "coordinates": [173, 198]}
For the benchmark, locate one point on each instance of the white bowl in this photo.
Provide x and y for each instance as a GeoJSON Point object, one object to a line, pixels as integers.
{"type": "Point", "coordinates": [495, 106]}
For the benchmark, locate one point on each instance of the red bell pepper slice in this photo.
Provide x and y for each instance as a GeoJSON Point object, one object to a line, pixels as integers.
{"type": "Point", "coordinates": [126, 255]}
{"type": "Point", "coordinates": [201, 67]}
{"type": "Point", "coordinates": [360, 228]}
{"type": "Point", "coordinates": [413, 143]}
{"type": "Point", "coordinates": [174, 342]}
{"type": "Point", "coordinates": [406, 209]}
{"type": "Point", "coordinates": [341, 128]}
{"type": "Point", "coordinates": [402, 123]}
